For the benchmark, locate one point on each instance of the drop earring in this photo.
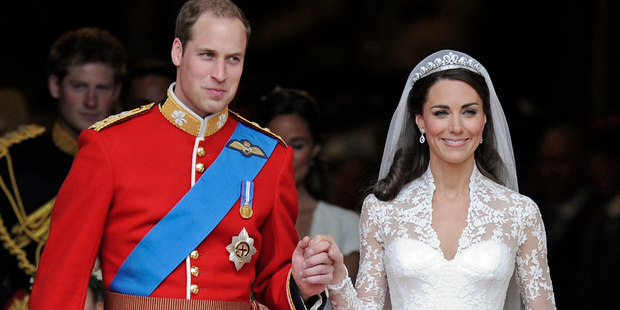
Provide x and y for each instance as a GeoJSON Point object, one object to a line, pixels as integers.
{"type": "Point", "coordinates": [422, 138]}
{"type": "Point", "coordinates": [480, 140]}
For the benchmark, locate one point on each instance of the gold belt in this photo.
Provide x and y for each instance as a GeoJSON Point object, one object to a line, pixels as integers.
{"type": "Point", "coordinates": [116, 301]}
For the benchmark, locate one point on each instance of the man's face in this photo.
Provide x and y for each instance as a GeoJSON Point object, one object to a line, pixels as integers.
{"type": "Point", "coordinates": [85, 95]}
{"type": "Point", "coordinates": [209, 70]}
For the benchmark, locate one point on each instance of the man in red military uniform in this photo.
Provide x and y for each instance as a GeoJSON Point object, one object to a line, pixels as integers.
{"type": "Point", "coordinates": [188, 205]}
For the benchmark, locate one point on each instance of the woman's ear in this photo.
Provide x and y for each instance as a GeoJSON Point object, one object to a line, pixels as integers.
{"type": "Point", "coordinates": [419, 121]}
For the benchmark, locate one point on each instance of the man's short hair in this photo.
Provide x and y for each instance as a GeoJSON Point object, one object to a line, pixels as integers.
{"type": "Point", "coordinates": [83, 46]}
{"type": "Point", "coordinates": [193, 9]}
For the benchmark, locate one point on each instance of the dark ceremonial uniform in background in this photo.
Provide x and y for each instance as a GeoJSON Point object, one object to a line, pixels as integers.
{"type": "Point", "coordinates": [33, 164]}
{"type": "Point", "coordinates": [131, 170]}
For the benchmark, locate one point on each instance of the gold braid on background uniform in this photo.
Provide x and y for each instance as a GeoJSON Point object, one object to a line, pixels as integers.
{"type": "Point", "coordinates": [33, 227]}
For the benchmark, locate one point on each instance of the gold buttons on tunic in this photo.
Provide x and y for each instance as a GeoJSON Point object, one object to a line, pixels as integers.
{"type": "Point", "coordinates": [200, 151]}
{"type": "Point", "coordinates": [194, 254]}
{"type": "Point", "coordinates": [194, 289]}
{"type": "Point", "coordinates": [200, 167]}
{"type": "Point", "coordinates": [195, 271]}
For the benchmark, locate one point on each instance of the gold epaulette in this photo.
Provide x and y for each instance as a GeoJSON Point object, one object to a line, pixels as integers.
{"type": "Point", "coordinates": [22, 133]}
{"type": "Point", "coordinates": [98, 126]}
{"type": "Point", "coordinates": [258, 127]}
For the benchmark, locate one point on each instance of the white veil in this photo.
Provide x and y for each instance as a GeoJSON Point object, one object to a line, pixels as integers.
{"type": "Point", "coordinates": [444, 60]}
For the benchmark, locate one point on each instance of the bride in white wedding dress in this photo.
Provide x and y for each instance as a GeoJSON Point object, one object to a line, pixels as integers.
{"type": "Point", "coordinates": [445, 227]}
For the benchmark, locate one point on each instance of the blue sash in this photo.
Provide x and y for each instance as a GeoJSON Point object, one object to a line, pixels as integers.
{"type": "Point", "coordinates": [167, 244]}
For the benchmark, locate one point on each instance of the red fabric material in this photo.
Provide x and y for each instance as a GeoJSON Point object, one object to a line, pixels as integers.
{"type": "Point", "coordinates": [124, 179]}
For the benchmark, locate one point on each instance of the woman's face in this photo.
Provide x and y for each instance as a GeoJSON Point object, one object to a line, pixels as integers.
{"type": "Point", "coordinates": [453, 120]}
{"type": "Point", "coordinates": [295, 132]}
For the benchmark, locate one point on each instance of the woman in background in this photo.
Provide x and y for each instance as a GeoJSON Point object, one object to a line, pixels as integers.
{"type": "Point", "coordinates": [294, 115]}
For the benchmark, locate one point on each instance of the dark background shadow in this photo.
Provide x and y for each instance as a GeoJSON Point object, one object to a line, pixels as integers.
{"type": "Point", "coordinates": [550, 61]}
{"type": "Point", "coordinates": [547, 59]}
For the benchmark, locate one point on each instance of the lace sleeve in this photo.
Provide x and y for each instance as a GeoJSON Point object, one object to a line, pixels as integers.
{"type": "Point", "coordinates": [532, 269]}
{"type": "Point", "coordinates": [371, 285]}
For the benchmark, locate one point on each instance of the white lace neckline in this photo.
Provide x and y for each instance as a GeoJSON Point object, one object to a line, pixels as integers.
{"type": "Point", "coordinates": [428, 202]}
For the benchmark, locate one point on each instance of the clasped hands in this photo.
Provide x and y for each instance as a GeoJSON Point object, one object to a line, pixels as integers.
{"type": "Point", "coordinates": [316, 263]}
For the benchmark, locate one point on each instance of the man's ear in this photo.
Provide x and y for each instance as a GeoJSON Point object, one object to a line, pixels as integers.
{"type": "Point", "coordinates": [53, 84]}
{"type": "Point", "coordinates": [177, 52]}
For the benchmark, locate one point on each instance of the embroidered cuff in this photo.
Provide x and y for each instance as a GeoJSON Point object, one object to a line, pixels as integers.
{"type": "Point", "coordinates": [339, 286]}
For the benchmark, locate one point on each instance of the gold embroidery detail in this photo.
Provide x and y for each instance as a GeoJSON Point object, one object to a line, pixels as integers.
{"type": "Point", "coordinates": [64, 140]}
{"type": "Point", "coordinates": [288, 290]}
{"type": "Point", "coordinates": [261, 129]}
{"type": "Point", "coordinates": [98, 126]}
{"type": "Point", "coordinates": [181, 118]}
{"type": "Point", "coordinates": [21, 134]}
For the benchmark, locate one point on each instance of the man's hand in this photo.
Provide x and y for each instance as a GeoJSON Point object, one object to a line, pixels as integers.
{"type": "Point", "coordinates": [334, 254]}
{"type": "Point", "coordinates": [311, 266]}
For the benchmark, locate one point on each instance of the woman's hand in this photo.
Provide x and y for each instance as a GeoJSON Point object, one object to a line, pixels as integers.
{"type": "Point", "coordinates": [327, 244]}
{"type": "Point", "coordinates": [311, 267]}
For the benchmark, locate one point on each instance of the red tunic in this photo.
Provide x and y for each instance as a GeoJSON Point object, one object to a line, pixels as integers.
{"type": "Point", "coordinates": [128, 175]}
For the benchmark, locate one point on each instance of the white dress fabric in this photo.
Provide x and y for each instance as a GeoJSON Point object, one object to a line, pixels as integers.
{"type": "Point", "coordinates": [340, 223]}
{"type": "Point", "coordinates": [401, 250]}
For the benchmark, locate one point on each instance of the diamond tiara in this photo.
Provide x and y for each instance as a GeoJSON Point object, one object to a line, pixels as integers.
{"type": "Point", "coordinates": [450, 61]}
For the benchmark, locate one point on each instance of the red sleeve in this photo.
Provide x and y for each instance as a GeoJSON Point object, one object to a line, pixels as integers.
{"type": "Point", "coordinates": [77, 222]}
{"type": "Point", "coordinates": [279, 241]}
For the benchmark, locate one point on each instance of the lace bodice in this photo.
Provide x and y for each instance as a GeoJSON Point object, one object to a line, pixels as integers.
{"type": "Point", "coordinates": [401, 250]}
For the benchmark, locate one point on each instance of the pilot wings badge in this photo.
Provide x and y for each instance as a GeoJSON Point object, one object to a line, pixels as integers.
{"type": "Point", "coordinates": [246, 148]}
{"type": "Point", "coordinates": [241, 249]}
